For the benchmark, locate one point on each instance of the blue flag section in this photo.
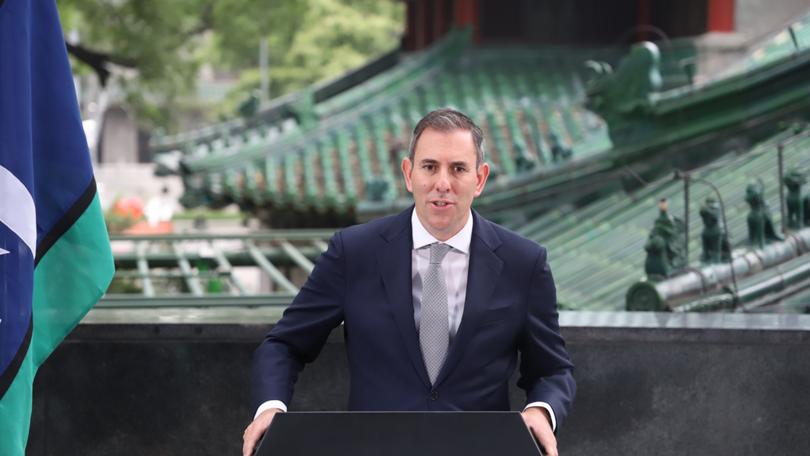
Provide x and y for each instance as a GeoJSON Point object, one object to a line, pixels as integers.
{"type": "Point", "coordinates": [55, 259]}
{"type": "Point", "coordinates": [17, 214]}
{"type": "Point", "coordinates": [17, 272]}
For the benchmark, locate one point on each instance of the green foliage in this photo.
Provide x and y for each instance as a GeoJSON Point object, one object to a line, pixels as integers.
{"type": "Point", "coordinates": [161, 46]}
{"type": "Point", "coordinates": [336, 36]}
{"type": "Point", "coordinates": [124, 285]}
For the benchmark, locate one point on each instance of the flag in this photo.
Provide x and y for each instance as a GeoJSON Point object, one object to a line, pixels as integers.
{"type": "Point", "coordinates": [55, 259]}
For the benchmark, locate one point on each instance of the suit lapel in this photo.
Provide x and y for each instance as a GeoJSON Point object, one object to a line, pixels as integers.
{"type": "Point", "coordinates": [482, 276]}
{"type": "Point", "coordinates": [394, 261]}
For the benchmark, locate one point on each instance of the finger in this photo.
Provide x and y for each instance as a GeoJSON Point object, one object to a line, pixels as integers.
{"type": "Point", "coordinates": [250, 439]}
{"type": "Point", "coordinates": [547, 443]}
{"type": "Point", "coordinates": [549, 448]}
{"type": "Point", "coordinates": [247, 447]}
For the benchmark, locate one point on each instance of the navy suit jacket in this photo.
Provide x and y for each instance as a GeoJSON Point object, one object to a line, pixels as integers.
{"type": "Point", "coordinates": [364, 280]}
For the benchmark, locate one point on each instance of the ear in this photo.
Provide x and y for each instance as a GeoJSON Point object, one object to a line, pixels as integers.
{"type": "Point", "coordinates": [481, 176]}
{"type": "Point", "coordinates": [407, 168]}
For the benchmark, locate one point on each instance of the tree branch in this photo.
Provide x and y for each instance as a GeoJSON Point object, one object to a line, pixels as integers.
{"type": "Point", "coordinates": [98, 61]}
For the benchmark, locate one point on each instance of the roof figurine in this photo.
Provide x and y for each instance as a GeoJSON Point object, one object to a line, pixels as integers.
{"type": "Point", "coordinates": [303, 109]}
{"type": "Point", "coordinates": [761, 230]}
{"type": "Point", "coordinates": [524, 162]}
{"type": "Point", "coordinates": [665, 250]}
{"type": "Point", "coordinates": [716, 247]}
{"type": "Point", "coordinates": [377, 189]}
{"type": "Point", "coordinates": [559, 153]}
{"type": "Point", "coordinates": [250, 106]}
{"type": "Point", "coordinates": [796, 213]}
{"type": "Point", "coordinates": [806, 210]}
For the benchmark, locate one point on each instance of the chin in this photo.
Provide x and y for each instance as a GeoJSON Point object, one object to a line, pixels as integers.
{"type": "Point", "coordinates": [440, 226]}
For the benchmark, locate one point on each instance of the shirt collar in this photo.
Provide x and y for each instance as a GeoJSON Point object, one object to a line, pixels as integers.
{"type": "Point", "coordinates": [422, 238]}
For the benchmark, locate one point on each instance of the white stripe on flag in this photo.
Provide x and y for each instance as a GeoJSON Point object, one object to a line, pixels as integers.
{"type": "Point", "coordinates": [17, 209]}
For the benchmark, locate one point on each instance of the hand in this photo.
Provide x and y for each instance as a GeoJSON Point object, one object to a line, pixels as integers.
{"type": "Point", "coordinates": [539, 423]}
{"type": "Point", "coordinates": [256, 430]}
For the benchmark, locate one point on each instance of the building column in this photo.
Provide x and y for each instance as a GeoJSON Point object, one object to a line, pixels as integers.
{"type": "Point", "coordinates": [408, 41]}
{"type": "Point", "coordinates": [721, 16]}
{"type": "Point", "coordinates": [643, 20]}
{"type": "Point", "coordinates": [423, 27]}
{"type": "Point", "coordinates": [465, 13]}
{"type": "Point", "coordinates": [439, 19]}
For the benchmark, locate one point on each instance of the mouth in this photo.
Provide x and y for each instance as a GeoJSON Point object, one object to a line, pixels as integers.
{"type": "Point", "coordinates": [441, 204]}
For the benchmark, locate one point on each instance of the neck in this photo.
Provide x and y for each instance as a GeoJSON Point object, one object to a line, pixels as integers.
{"type": "Point", "coordinates": [446, 234]}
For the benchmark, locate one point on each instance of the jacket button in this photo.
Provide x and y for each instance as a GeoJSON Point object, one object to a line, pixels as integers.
{"type": "Point", "coordinates": [434, 395]}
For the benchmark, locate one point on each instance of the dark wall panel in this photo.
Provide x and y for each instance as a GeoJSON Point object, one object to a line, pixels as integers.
{"type": "Point", "coordinates": [586, 22]}
{"type": "Point", "coordinates": [183, 389]}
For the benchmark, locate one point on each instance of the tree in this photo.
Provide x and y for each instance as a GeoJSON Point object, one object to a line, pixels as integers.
{"type": "Point", "coordinates": [154, 50]}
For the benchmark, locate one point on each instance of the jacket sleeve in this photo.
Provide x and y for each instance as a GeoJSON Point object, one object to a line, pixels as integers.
{"type": "Point", "coordinates": [300, 334]}
{"type": "Point", "coordinates": [545, 367]}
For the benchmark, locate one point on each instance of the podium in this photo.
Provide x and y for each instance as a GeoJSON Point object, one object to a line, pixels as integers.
{"type": "Point", "coordinates": [398, 434]}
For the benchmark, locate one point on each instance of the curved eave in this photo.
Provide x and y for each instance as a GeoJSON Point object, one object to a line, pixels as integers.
{"type": "Point", "coordinates": [678, 99]}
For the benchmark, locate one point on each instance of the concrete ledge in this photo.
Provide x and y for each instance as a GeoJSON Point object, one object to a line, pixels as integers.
{"type": "Point", "coordinates": [666, 320]}
{"type": "Point", "coordinates": [229, 315]}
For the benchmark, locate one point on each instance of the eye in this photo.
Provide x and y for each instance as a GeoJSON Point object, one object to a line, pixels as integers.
{"type": "Point", "coordinates": [428, 166]}
{"type": "Point", "coordinates": [460, 168]}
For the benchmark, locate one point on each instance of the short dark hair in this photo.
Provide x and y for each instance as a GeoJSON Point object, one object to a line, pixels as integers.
{"type": "Point", "coordinates": [444, 120]}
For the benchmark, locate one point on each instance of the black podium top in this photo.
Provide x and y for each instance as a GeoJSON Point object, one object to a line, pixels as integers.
{"type": "Point", "coordinates": [398, 434]}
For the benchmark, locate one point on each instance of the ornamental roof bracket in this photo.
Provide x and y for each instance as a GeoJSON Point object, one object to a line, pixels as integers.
{"type": "Point", "coordinates": [623, 97]}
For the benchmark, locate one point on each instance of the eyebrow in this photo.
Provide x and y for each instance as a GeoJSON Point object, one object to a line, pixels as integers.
{"type": "Point", "coordinates": [430, 161]}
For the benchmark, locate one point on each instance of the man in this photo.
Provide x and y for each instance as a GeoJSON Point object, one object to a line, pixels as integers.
{"type": "Point", "coordinates": [437, 302]}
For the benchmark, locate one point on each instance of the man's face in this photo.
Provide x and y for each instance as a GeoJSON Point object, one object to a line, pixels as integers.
{"type": "Point", "coordinates": [444, 180]}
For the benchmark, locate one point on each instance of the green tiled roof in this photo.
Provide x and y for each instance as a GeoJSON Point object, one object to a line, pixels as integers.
{"type": "Point", "coordinates": [519, 97]}
{"type": "Point", "coordinates": [286, 116]}
{"type": "Point", "coordinates": [597, 252]}
{"type": "Point", "coordinates": [348, 160]}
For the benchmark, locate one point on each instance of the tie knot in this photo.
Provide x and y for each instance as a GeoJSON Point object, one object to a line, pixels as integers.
{"type": "Point", "coordinates": [437, 252]}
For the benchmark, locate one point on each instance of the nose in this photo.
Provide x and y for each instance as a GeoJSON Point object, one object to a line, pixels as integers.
{"type": "Point", "coordinates": [443, 182]}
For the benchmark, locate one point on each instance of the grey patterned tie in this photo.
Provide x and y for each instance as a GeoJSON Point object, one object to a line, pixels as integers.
{"type": "Point", "coordinates": [434, 331]}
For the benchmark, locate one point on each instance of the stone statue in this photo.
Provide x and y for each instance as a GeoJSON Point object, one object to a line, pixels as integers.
{"type": "Point", "coordinates": [796, 215]}
{"type": "Point", "coordinates": [665, 248]}
{"type": "Point", "coordinates": [760, 224]}
{"type": "Point", "coordinates": [716, 247]}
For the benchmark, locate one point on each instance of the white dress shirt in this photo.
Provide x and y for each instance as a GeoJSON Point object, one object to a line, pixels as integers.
{"type": "Point", "coordinates": [455, 267]}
